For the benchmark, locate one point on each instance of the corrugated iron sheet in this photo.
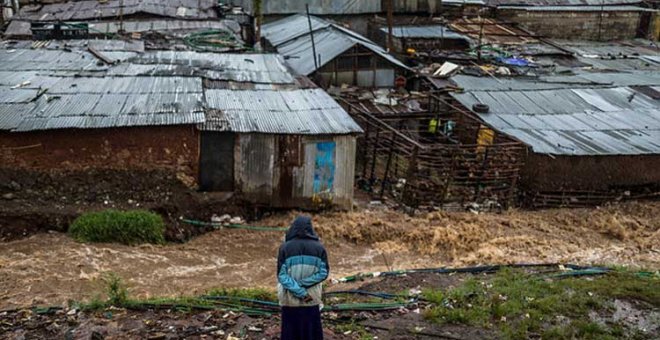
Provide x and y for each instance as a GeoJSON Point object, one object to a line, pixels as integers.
{"type": "Point", "coordinates": [573, 121]}
{"type": "Point", "coordinates": [425, 32]}
{"type": "Point", "coordinates": [318, 7]}
{"type": "Point", "coordinates": [254, 68]}
{"type": "Point", "coordinates": [93, 9]}
{"type": "Point", "coordinates": [291, 38]}
{"type": "Point", "coordinates": [632, 48]}
{"type": "Point", "coordinates": [576, 8]}
{"type": "Point", "coordinates": [562, 2]}
{"type": "Point", "coordinates": [309, 112]}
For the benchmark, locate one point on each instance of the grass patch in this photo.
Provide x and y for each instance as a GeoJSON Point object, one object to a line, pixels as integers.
{"type": "Point", "coordinates": [522, 305]}
{"type": "Point", "coordinates": [117, 296]}
{"type": "Point", "coordinates": [126, 227]}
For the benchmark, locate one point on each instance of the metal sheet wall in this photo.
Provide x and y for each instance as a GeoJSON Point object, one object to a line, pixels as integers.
{"type": "Point", "coordinates": [258, 171]}
{"type": "Point", "coordinates": [255, 159]}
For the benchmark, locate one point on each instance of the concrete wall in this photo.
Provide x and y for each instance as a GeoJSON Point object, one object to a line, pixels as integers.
{"type": "Point", "coordinates": [594, 173]}
{"type": "Point", "coordinates": [282, 171]}
{"type": "Point", "coordinates": [617, 25]}
{"type": "Point", "coordinates": [173, 148]}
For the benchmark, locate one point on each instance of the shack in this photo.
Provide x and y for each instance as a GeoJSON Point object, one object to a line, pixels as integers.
{"type": "Point", "coordinates": [342, 56]}
{"type": "Point", "coordinates": [239, 123]}
{"type": "Point", "coordinates": [592, 137]}
{"type": "Point", "coordinates": [425, 38]}
{"type": "Point", "coordinates": [170, 21]}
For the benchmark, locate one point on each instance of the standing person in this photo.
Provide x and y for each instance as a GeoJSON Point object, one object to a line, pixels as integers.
{"type": "Point", "coordinates": [302, 265]}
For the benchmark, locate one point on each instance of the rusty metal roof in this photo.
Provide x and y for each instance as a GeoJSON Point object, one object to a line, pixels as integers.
{"type": "Point", "coordinates": [493, 31]}
{"type": "Point", "coordinates": [94, 10]}
{"type": "Point", "coordinates": [23, 29]}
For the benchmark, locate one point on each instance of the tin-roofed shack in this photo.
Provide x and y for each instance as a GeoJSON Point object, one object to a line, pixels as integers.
{"type": "Point", "coordinates": [422, 38]}
{"type": "Point", "coordinates": [342, 56]}
{"type": "Point", "coordinates": [592, 136]}
{"type": "Point", "coordinates": [238, 123]}
{"type": "Point", "coordinates": [186, 24]}
{"type": "Point", "coordinates": [428, 153]}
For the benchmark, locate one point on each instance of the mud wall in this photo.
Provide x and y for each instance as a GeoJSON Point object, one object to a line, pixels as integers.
{"type": "Point", "coordinates": [595, 173]}
{"type": "Point", "coordinates": [616, 25]}
{"type": "Point", "coordinates": [173, 148]}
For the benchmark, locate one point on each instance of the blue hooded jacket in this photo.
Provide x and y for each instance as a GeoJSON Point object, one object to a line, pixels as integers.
{"type": "Point", "coordinates": [302, 264]}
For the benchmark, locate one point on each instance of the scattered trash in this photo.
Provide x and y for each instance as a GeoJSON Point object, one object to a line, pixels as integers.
{"type": "Point", "coordinates": [447, 69]}
{"type": "Point", "coordinates": [23, 84]}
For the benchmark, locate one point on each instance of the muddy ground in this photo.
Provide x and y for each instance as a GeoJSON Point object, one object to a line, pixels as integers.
{"type": "Point", "coordinates": [51, 268]}
{"type": "Point", "coordinates": [34, 202]}
{"type": "Point", "coordinates": [639, 319]}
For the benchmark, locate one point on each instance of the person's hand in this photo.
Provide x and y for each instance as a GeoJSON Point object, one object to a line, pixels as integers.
{"type": "Point", "coordinates": [308, 299]}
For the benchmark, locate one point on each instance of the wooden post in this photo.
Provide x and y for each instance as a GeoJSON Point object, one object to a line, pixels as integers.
{"type": "Point", "coordinates": [387, 166]}
{"type": "Point", "coordinates": [600, 19]}
{"type": "Point", "coordinates": [311, 34]}
{"type": "Point", "coordinates": [373, 159]}
{"type": "Point", "coordinates": [365, 158]}
{"type": "Point", "coordinates": [481, 37]}
{"type": "Point", "coordinates": [410, 177]}
{"type": "Point", "coordinates": [121, 16]}
{"type": "Point", "coordinates": [258, 18]}
{"type": "Point", "coordinates": [390, 23]}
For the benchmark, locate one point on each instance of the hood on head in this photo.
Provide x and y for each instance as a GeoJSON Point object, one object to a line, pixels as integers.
{"type": "Point", "coordinates": [301, 228]}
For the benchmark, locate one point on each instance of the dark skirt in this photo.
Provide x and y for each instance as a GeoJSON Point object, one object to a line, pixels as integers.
{"type": "Point", "coordinates": [301, 323]}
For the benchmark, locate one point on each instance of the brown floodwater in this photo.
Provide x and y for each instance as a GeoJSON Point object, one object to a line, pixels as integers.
{"type": "Point", "coordinates": [50, 269]}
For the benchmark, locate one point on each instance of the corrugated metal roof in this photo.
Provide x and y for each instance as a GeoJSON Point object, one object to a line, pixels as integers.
{"type": "Point", "coordinates": [93, 9]}
{"type": "Point", "coordinates": [630, 78]}
{"type": "Point", "coordinates": [561, 2]}
{"type": "Point", "coordinates": [19, 28]}
{"type": "Point", "coordinates": [291, 38]}
{"type": "Point", "coordinates": [254, 68]}
{"type": "Point", "coordinates": [572, 121]}
{"type": "Point", "coordinates": [58, 89]}
{"type": "Point", "coordinates": [425, 32]}
{"type": "Point", "coordinates": [289, 28]}
{"type": "Point", "coordinates": [577, 8]}
{"type": "Point", "coordinates": [304, 111]}
{"type": "Point", "coordinates": [318, 7]}
{"type": "Point", "coordinates": [637, 47]}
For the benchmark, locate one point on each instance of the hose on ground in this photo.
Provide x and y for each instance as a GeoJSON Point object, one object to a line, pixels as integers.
{"type": "Point", "coordinates": [231, 226]}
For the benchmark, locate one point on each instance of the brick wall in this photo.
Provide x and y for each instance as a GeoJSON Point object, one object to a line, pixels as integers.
{"type": "Point", "coordinates": [576, 25]}
{"type": "Point", "coordinates": [173, 148]}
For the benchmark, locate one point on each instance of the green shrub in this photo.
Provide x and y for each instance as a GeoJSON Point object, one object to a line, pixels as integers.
{"type": "Point", "coordinates": [127, 227]}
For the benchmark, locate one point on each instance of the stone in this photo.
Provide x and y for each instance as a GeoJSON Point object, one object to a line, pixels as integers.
{"type": "Point", "coordinates": [9, 196]}
{"type": "Point", "coordinates": [15, 186]}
